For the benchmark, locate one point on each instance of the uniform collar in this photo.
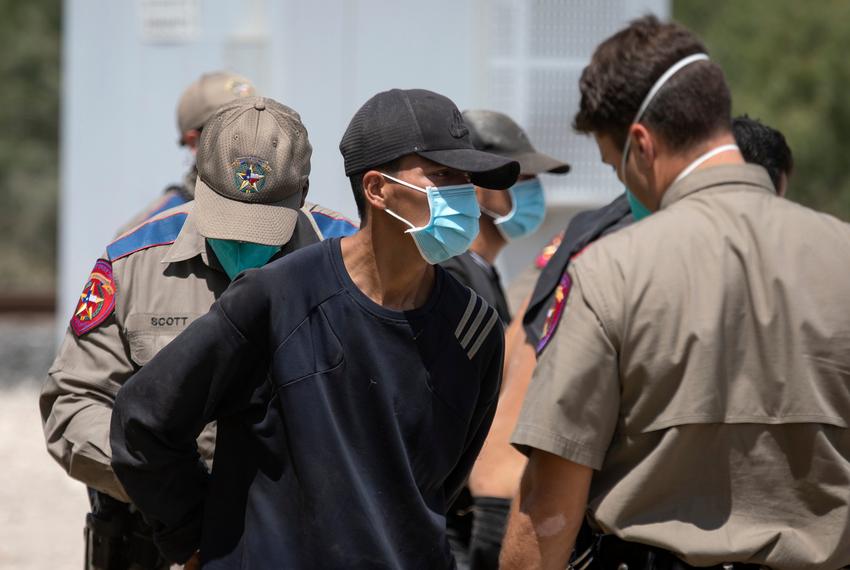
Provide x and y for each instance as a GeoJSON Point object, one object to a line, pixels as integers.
{"type": "Point", "coordinates": [189, 243]}
{"type": "Point", "coordinates": [723, 175]}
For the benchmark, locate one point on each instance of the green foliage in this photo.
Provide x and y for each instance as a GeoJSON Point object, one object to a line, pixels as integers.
{"type": "Point", "coordinates": [787, 64]}
{"type": "Point", "coordinates": [29, 157]}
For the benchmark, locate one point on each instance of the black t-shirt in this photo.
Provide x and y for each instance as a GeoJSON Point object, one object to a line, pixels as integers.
{"type": "Point", "coordinates": [481, 277]}
{"type": "Point", "coordinates": [345, 429]}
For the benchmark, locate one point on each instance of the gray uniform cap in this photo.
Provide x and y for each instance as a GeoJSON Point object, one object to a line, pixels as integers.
{"type": "Point", "coordinates": [253, 170]}
{"type": "Point", "coordinates": [206, 94]}
{"type": "Point", "coordinates": [497, 133]}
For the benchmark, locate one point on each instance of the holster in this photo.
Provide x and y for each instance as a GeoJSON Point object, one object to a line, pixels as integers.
{"type": "Point", "coordinates": [118, 538]}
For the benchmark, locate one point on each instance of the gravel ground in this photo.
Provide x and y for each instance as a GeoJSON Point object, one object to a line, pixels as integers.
{"type": "Point", "coordinates": [41, 509]}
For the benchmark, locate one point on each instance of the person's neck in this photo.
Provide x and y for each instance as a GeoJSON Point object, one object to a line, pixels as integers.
{"type": "Point", "coordinates": [489, 242]}
{"type": "Point", "coordinates": [386, 266]}
{"type": "Point", "coordinates": [676, 164]}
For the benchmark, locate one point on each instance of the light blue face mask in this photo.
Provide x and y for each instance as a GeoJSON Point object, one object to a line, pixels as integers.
{"type": "Point", "coordinates": [527, 212]}
{"type": "Point", "coordinates": [453, 224]}
{"type": "Point", "coordinates": [237, 256]}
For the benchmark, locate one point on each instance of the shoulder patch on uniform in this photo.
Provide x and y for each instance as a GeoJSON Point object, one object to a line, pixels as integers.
{"type": "Point", "coordinates": [159, 231]}
{"type": "Point", "coordinates": [477, 321]}
{"type": "Point", "coordinates": [548, 251]}
{"type": "Point", "coordinates": [97, 300]}
{"type": "Point", "coordinates": [333, 226]}
{"type": "Point", "coordinates": [553, 315]}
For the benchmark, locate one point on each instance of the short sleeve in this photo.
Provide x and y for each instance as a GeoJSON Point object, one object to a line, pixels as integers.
{"type": "Point", "coordinates": [572, 405]}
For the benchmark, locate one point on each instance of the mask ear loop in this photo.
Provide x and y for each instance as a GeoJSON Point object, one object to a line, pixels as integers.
{"type": "Point", "coordinates": [412, 227]}
{"type": "Point", "coordinates": [656, 87]}
{"type": "Point", "coordinates": [403, 183]}
{"type": "Point", "coordinates": [399, 218]}
{"type": "Point", "coordinates": [499, 218]}
{"type": "Point", "coordinates": [502, 219]}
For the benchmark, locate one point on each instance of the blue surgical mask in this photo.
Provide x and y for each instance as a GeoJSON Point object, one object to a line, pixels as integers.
{"type": "Point", "coordinates": [527, 212]}
{"type": "Point", "coordinates": [237, 256]}
{"type": "Point", "coordinates": [453, 224]}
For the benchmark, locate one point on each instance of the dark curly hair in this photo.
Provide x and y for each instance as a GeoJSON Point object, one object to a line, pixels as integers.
{"type": "Point", "coordinates": [694, 104]}
{"type": "Point", "coordinates": [765, 146]}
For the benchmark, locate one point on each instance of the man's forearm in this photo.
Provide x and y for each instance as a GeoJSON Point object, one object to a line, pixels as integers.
{"type": "Point", "coordinates": [158, 415]}
{"type": "Point", "coordinates": [531, 544]}
{"type": "Point", "coordinates": [520, 549]}
{"type": "Point", "coordinates": [167, 484]}
{"type": "Point", "coordinates": [547, 514]}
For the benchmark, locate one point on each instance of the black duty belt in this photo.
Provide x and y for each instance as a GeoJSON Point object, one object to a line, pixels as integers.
{"type": "Point", "coordinates": [607, 552]}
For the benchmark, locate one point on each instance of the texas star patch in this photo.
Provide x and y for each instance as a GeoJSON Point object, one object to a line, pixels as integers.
{"type": "Point", "coordinates": [249, 174]}
{"type": "Point", "coordinates": [240, 87]}
{"type": "Point", "coordinates": [97, 299]}
{"type": "Point", "coordinates": [547, 252]}
{"type": "Point", "coordinates": [556, 311]}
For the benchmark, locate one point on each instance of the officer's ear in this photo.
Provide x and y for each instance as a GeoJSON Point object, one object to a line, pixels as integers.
{"type": "Point", "coordinates": [643, 146]}
{"type": "Point", "coordinates": [191, 138]}
{"type": "Point", "coordinates": [374, 189]}
{"type": "Point", "coordinates": [304, 191]}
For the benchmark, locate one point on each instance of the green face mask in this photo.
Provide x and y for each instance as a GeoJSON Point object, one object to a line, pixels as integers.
{"type": "Point", "coordinates": [237, 256]}
{"type": "Point", "coordinates": [639, 211]}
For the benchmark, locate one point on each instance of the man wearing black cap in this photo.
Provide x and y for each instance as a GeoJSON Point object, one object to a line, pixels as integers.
{"type": "Point", "coordinates": [353, 382]}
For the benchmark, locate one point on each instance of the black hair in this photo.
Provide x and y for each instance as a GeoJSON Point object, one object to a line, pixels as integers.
{"type": "Point", "coordinates": [764, 146]}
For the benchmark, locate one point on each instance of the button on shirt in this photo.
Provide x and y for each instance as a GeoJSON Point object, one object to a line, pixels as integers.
{"type": "Point", "coordinates": [702, 366]}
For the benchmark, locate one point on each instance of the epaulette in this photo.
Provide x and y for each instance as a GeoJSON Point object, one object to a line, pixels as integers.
{"type": "Point", "coordinates": [333, 225]}
{"type": "Point", "coordinates": [152, 233]}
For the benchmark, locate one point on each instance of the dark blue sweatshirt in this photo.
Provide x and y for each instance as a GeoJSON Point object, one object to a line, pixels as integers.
{"type": "Point", "coordinates": [345, 429]}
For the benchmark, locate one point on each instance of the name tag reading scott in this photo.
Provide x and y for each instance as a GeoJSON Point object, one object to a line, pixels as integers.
{"type": "Point", "coordinates": [158, 323]}
{"type": "Point", "coordinates": [169, 321]}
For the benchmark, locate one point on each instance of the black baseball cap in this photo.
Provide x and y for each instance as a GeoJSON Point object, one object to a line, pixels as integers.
{"type": "Point", "coordinates": [398, 122]}
{"type": "Point", "coordinates": [496, 132]}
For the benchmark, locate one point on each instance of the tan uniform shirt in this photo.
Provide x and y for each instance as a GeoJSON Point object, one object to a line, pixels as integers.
{"type": "Point", "coordinates": [159, 291]}
{"type": "Point", "coordinates": [702, 366]}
